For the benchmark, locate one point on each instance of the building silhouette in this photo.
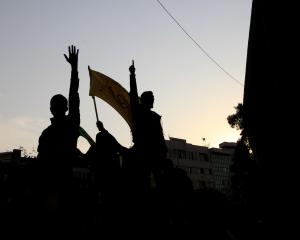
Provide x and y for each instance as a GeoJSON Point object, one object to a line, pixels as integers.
{"type": "Point", "coordinates": [206, 167]}
{"type": "Point", "coordinates": [221, 160]}
{"type": "Point", "coordinates": [8, 156]}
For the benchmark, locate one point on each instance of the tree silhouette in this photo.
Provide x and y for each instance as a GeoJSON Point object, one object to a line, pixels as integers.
{"type": "Point", "coordinates": [236, 120]}
{"type": "Point", "coordinates": [244, 170]}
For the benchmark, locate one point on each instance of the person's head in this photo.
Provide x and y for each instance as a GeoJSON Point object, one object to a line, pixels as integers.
{"type": "Point", "coordinates": [58, 105]}
{"type": "Point", "coordinates": [147, 99]}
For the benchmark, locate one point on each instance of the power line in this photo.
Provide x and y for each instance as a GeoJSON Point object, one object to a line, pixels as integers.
{"type": "Point", "coordinates": [197, 44]}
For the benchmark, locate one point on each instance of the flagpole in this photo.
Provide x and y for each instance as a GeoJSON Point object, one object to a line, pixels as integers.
{"type": "Point", "coordinates": [95, 108]}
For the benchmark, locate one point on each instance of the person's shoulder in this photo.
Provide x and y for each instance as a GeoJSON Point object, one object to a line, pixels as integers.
{"type": "Point", "coordinates": [46, 134]}
{"type": "Point", "coordinates": [102, 135]}
{"type": "Point", "coordinates": [47, 129]}
{"type": "Point", "coordinates": [155, 114]}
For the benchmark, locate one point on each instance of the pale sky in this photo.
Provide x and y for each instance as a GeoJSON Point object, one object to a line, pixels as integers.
{"type": "Point", "coordinates": [193, 96]}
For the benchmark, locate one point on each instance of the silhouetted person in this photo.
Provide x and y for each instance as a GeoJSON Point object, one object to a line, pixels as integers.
{"type": "Point", "coordinates": [104, 157]}
{"type": "Point", "coordinates": [106, 162]}
{"type": "Point", "coordinates": [149, 142]}
{"type": "Point", "coordinates": [143, 164]}
{"type": "Point", "coordinates": [57, 147]}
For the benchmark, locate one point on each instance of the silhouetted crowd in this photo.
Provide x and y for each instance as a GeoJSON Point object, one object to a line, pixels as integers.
{"type": "Point", "coordinates": [137, 186]}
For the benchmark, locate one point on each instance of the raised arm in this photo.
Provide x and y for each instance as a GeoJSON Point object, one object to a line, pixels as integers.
{"type": "Point", "coordinates": [134, 98]}
{"type": "Point", "coordinates": [134, 102]}
{"type": "Point", "coordinates": [74, 84]}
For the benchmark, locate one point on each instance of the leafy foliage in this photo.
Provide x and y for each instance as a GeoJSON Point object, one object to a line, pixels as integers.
{"type": "Point", "coordinates": [236, 120]}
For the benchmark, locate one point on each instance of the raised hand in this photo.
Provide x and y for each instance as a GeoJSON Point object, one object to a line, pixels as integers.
{"type": "Point", "coordinates": [73, 57]}
{"type": "Point", "coordinates": [132, 68]}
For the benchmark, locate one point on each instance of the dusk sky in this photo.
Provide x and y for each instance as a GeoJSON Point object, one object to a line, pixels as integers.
{"type": "Point", "coordinates": [193, 96]}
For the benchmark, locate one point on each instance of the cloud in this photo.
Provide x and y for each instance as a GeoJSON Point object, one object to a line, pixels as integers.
{"type": "Point", "coordinates": [20, 131]}
{"type": "Point", "coordinates": [27, 124]}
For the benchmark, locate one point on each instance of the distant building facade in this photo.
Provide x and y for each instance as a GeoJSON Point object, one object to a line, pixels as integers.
{"type": "Point", "coordinates": [221, 159]}
{"type": "Point", "coordinates": [193, 159]}
{"type": "Point", "coordinates": [206, 167]}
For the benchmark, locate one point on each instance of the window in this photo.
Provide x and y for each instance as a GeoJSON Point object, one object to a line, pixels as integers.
{"type": "Point", "coordinates": [192, 155]}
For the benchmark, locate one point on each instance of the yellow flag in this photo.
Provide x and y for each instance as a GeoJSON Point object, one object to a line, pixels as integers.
{"type": "Point", "coordinates": [111, 92]}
